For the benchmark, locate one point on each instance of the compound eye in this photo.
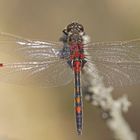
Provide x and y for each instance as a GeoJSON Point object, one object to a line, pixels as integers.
{"type": "Point", "coordinates": [81, 28]}
{"type": "Point", "coordinates": [69, 27]}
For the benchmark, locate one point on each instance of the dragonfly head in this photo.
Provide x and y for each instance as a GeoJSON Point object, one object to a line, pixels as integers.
{"type": "Point", "coordinates": [74, 28]}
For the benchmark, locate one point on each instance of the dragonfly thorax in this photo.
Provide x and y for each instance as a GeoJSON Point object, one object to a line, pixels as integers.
{"type": "Point", "coordinates": [77, 55]}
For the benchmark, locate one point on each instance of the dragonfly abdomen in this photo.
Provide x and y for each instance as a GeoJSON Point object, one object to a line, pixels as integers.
{"type": "Point", "coordinates": [78, 98]}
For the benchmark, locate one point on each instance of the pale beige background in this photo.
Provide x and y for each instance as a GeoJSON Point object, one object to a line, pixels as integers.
{"type": "Point", "coordinates": [47, 114]}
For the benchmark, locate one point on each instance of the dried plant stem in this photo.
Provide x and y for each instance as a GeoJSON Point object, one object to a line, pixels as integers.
{"type": "Point", "coordinates": [100, 96]}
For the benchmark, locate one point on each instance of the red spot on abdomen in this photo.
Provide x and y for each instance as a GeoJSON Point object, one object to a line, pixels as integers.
{"type": "Point", "coordinates": [1, 65]}
{"type": "Point", "coordinates": [77, 66]}
{"type": "Point", "coordinates": [78, 109]}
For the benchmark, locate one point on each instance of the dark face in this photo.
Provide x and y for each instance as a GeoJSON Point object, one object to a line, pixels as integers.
{"type": "Point", "coordinates": [74, 28]}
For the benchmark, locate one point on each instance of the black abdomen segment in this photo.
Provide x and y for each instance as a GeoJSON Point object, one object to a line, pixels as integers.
{"type": "Point", "coordinates": [78, 104]}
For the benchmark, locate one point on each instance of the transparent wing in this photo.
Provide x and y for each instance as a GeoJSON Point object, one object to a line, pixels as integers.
{"type": "Point", "coordinates": [32, 62]}
{"type": "Point", "coordinates": [42, 74]}
{"type": "Point", "coordinates": [118, 62]}
{"type": "Point", "coordinates": [29, 49]}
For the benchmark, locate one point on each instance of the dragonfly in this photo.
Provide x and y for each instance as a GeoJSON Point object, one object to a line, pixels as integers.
{"type": "Point", "coordinates": [45, 63]}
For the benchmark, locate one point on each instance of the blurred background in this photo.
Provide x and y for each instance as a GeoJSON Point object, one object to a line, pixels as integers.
{"type": "Point", "coordinates": [28, 113]}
